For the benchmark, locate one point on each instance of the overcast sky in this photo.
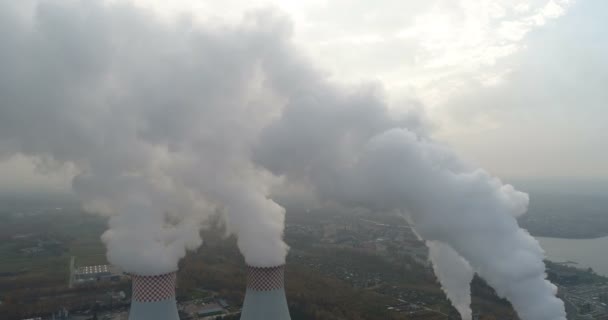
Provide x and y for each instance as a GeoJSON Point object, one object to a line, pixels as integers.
{"type": "Point", "coordinates": [517, 86]}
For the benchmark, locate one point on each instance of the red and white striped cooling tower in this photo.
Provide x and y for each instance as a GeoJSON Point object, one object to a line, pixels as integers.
{"type": "Point", "coordinates": [153, 297]}
{"type": "Point", "coordinates": [265, 296]}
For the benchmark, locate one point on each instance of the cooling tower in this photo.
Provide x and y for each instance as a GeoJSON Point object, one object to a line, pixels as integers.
{"type": "Point", "coordinates": [265, 296]}
{"type": "Point", "coordinates": [153, 297]}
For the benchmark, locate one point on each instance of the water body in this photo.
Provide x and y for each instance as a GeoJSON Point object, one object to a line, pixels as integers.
{"type": "Point", "coordinates": [585, 252]}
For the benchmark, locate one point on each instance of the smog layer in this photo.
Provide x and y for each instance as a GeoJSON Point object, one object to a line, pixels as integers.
{"type": "Point", "coordinates": [168, 124]}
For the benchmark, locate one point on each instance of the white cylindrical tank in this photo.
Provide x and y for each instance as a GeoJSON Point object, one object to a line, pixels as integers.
{"type": "Point", "coordinates": [153, 297]}
{"type": "Point", "coordinates": [265, 296]}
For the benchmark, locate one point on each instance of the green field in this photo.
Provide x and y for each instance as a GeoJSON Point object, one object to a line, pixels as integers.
{"type": "Point", "coordinates": [58, 235]}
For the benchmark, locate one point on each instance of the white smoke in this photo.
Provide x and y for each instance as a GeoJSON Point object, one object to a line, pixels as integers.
{"type": "Point", "coordinates": [169, 123]}
{"type": "Point", "coordinates": [348, 148]}
{"type": "Point", "coordinates": [158, 119]}
{"type": "Point", "coordinates": [455, 275]}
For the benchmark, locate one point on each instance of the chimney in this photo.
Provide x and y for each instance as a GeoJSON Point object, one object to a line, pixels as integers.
{"type": "Point", "coordinates": [153, 297]}
{"type": "Point", "coordinates": [265, 296]}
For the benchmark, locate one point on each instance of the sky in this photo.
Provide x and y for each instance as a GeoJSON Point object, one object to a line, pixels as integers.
{"type": "Point", "coordinates": [163, 124]}
{"type": "Point", "coordinates": [513, 86]}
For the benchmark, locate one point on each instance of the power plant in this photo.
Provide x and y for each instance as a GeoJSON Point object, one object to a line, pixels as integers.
{"type": "Point", "coordinates": [265, 296]}
{"type": "Point", "coordinates": [153, 297]}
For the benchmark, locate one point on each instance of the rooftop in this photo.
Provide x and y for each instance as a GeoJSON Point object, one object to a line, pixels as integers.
{"type": "Point", "coordinates": [98, 269]}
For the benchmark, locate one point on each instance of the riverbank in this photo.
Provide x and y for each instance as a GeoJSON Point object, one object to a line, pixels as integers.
{"type": "Point", "coordinates": [586, 253]}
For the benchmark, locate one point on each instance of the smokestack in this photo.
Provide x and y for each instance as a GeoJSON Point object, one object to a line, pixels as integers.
{"type": "Point", "coordinates": [153, 297]}
{"type": "Point", "coordinates": [265, 296]}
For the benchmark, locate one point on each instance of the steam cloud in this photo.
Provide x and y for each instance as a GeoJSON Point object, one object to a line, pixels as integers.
{"type": "Point", "coordinates": [159, 119]}
{"type": "Point", "coordinates": [455, 275]}
{"type": "Point", "coordinates": [170, 123]}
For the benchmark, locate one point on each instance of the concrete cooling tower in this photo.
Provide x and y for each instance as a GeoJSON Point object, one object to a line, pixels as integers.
{"type": "Point", "coordinates": [153, 297]}
{"type": "Point", "coordinates": [265, 296]}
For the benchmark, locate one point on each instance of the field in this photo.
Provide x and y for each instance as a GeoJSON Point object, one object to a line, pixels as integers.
{"type": "Point", "coordinates": [335, 279]}
{"type": "Point", "coordinates": [38, 242]}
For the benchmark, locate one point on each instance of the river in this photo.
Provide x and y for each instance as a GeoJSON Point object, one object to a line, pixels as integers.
{"type": "Point", "coordinates": [585, 252]}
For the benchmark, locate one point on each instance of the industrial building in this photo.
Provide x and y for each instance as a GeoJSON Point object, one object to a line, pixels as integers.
{"type": "Point", "coordinates": [96, 273]}
{"type": "Point", "coordinates": [265, 295]}
{"type": "Point", "coordinates": [153, 297]}
{"type": "Point", "coordinates": [211, 309]}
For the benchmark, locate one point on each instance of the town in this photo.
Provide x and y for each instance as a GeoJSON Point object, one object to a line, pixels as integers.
{"type": "Point", "coordinates": [377, 258]}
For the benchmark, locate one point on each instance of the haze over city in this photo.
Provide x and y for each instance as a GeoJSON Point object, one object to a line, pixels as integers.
{"type": "Point", "coordinates": [191, 159]}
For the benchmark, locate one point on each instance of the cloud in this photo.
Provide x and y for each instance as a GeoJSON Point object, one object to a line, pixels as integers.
{"type": "Point", "coordinates": [455, 275]}
{"type": "Point", "coordinates": [169, 123]}
{"type": "Point", "coordinates": [348, 148]}
{"type": "Point", "coordinates": [21, 174]}
{"type": "Point", "coordinates": [547, 111]}
{"type": "Point", "coordinates": [156, 119]}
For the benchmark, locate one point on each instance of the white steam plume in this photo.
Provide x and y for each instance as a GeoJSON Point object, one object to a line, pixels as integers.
{"type": "Point", "coordinates": [454, 274]}
{"type": "Point", "coordinates": [162, 122]}
{"type": "Point", "coordinates": [347, 147]}
{"type": "Point", "coordinates": [158, 119]}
